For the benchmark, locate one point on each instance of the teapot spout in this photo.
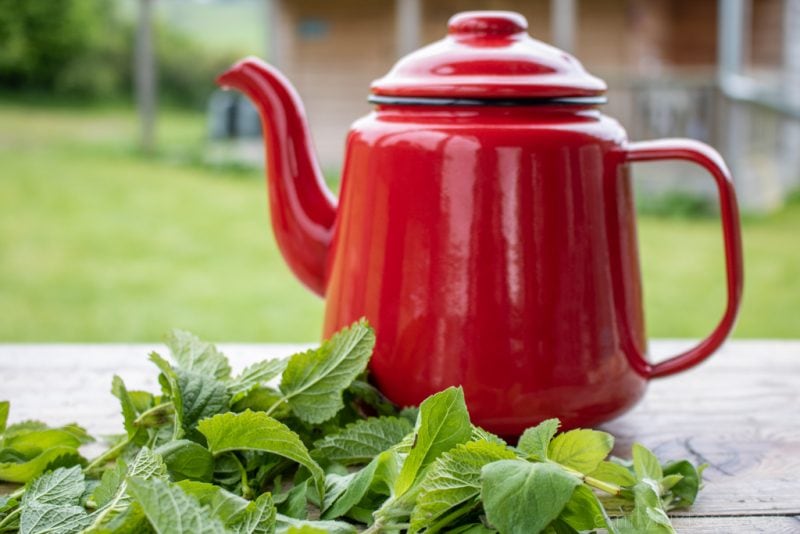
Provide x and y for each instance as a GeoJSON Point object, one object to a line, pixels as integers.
{"type": "Point", "coordinates": [302, 208]}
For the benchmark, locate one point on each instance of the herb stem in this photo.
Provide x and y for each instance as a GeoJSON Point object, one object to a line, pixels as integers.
{"type": "Point", "coordinates": [110, 454]}
{"type": "Point", "coordinates": [147, 413]}
{"type": "Point", "coordinates": [275, 405]}
{"type": "Point", "coordinates": [9, 518]}
{"type": "Point", "coordinates": [247, 492]}
{"type": "Point", "coordinates": [612, 489]}
{"type": "Point", "coordinates": [596, 483]}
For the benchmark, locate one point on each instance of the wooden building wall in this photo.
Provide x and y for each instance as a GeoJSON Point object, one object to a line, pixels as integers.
{"type": "Point", "coordinates": [332, 50]}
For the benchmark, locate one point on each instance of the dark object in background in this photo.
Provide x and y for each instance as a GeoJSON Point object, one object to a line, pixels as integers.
{"type": "Point", "coordinates": [231, 116]}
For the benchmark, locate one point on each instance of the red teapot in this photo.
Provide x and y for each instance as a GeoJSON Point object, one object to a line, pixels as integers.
{"type": "Point", "coordinates": [485, 227]}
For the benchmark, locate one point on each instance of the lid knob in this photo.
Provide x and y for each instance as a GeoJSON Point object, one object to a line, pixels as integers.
{"type": "Point", "coordinates": [495, 23]}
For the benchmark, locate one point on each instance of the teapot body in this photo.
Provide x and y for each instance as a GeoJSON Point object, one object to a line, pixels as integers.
{"type": "Point", "coordinates": [493, 248]}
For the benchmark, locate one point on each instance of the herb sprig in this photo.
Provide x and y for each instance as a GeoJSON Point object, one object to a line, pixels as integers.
{"type": "Point", "coordinates": [321, 451]}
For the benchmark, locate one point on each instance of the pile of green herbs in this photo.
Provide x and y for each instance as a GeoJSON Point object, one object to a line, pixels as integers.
{"type": "Point", "coordinates": [323, 451]}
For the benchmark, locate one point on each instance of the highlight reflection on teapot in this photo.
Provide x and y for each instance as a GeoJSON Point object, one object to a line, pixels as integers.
{"type": "Point", "coordinates": [485, 227]}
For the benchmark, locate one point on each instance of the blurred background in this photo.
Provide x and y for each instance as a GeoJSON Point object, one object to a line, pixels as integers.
{"type": "Point", "coordinates": [132, 196]}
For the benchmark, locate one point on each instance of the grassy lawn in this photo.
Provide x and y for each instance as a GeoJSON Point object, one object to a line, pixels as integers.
{"type": "Point", "coordinates": [98, 243]}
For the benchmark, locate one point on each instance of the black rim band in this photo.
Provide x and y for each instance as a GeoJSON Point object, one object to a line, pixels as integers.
{"type": "Point", "coordinates": [508, 102]}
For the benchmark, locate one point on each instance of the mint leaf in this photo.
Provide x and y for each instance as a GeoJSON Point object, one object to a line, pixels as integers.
{"type": "Point", "coordinates": [238, 515]}
{"type": "Point", "coordinates": [37, 518]}
{"type": "Point", "coordinates": [472, 528]}
{"type": "Point", "coordinates": [193, 355]}
{"type": "Point", "coordinates": [314, 380]}
{"type": "Point", "coordinates": [454, 479]}
{"type": "Point", "coordinates": [443, 423]}
{"type": "Point", "coordinates": [523, 497]}
{"type": "Point", "coordinates": [22, 471]}
{"type": "Point", "coordinates": [342, 492]}
{"type": "Point", "coordinates": [257, 518]}
{"type": "Point", "coordinates": [220, 503]}
{"type": "Point", "coordinates": [286, 524]}
{"type": "Point", "coordinates": [186, 459]}
{"type": "Point", "coordinates": [613, 473]}
{"type": "Point", "coordinates": [479, 434]}
{"type": "Point", "coordinates": [581, 449]}
{"type": "Point", "coordinates": [259, 432]}
{"type": "Point", "coordinates": [170, 510]}
{"type": "Point", "coordinates": [62, 486]}
{"type": "Point", "coordinates": [169, 384]}
{"type": "Point", "coordinates": [5, 406]}
{"type": "Point", "coordinates": [33, 442]}
{"type": "Point", "coordinates": [201, 396]}
{"type": "Point", "coordinates": [254, 376]}
{"type": "Point", "coordinates": [535, 441]}
{"type": "Point", "coordinates": [648, 514]}
{"type": "Point", "coordinates": [685, 491]}
{"type": "Point", "coordinates": [584, 512]}
{"type": "Point", "coordinates": [294, 503]}
{"type": "Point", "coordinates": [362, 441]}
{"type": "Point", "coordinates": [111, 496]}
{"type": "Point", "coordinates": [645, 464]}
{"type": "Point", "coordinates": [129, 412]}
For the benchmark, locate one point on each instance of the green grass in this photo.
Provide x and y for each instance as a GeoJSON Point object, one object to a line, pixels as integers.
{"type": "Point", "coordinates": [98, 243]}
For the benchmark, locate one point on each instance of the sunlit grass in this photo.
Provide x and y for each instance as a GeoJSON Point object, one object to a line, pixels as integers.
{"type": "Point", "coordinates": [98, 243]}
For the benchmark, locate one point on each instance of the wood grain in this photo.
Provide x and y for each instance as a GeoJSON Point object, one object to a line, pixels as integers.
{"type": "Point", "coordinates": [739, 412]}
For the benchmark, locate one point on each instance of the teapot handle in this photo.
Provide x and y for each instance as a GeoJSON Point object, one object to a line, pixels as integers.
{"type": "Point", "coordinates": [708, 158]}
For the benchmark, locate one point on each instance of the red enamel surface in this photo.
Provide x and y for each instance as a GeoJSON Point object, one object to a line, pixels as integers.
{"type": "Point", "coordinates": [301, 206]}
{"type": "Point", "coordinates": [490, 247]}
{"type": "Point", "coordinates": [487, 54]}
{"type": "Point", "coordinates": [485, 247]}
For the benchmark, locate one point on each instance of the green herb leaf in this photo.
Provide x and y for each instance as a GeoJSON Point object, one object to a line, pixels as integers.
{"type": "Point", "coordinates": [443, 423]}
{"type": "Point", "coordinates": [238, 515]}
{"type": "Point", "coordinates": [111, 496]}
{"type": "Point", "coordinates": [648, 514]}
{"type": "Point", "coordinates": [535, 441]}
{"type": "Point", "coordinates": [613, 473]}
{"type": "Point", "coordinates": [253, 376]}
{"type": "Point", "coordinates": [343, 492]}
{"type": "Point", "coordinates": [259, 432]}
{"type": "Point", "coordinates": [5, 406]}
{"type": "Point", "coordinates": [645, 464]}
{"type": "Point", "coordinates": [129, 412]}
{"type": "Point", "coordinates": [35, 441]}
{"type": "Point", "coordinates": [584, 512]}
{"type": "Point", "coordinates": [23, 471]}
{"type": "Point", "coordinates": [285, 525]}
{"type": "Point", "coordinates": [39, 518]}
{"type": "Point", "coordinates": [685, 491]}
{"type": "Point", "coordinates": [201, 396]}
{"type": "Point", "coordinates": [193, 355]}
{"type": "Point", "coordinates": [186, 459]}
{"type": "Point", "coordinates": [581, 449]}
{"type": "Point", "coordinates": [170, 510]}
{"type": "Point", "coordinates": [314, 380]}
{"type": "Point", "coordinates": [257, 518]}
{"type": "Point", "coordinates": [295, 502]}
{"type": "Point", "coordinates": [363, 440]}
{"type": "Point", "coordinates": [523, 497]}
{"type": "Point", "coordinates": [62, 486]}
{"type": "Point", "coordinates": [454, 479]}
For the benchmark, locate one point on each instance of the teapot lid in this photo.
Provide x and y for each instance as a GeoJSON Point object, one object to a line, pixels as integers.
{"type": "Point", "coordinates": [488, 55]}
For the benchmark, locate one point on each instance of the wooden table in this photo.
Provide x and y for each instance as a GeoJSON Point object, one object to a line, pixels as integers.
{"type": "Point", "coordinates": [739, 412]}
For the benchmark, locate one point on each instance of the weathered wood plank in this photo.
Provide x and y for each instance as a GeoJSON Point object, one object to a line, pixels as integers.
{"type": "Point", "coordinates": [739, 412]}
{"type": "Point", "coordinates": [724, 525]}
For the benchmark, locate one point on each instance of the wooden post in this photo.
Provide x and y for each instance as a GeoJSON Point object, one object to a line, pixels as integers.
{"type": "Point", "coordinates": [562, 23]}
{"type": "Point", "coordinates": [271, 44]}
{"type": "Point", "coordinates": [407, 22]}
{"type": "Point", "coordinates": [790, 156]}
{"type": "Point", "coordinates": [145, 77]}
